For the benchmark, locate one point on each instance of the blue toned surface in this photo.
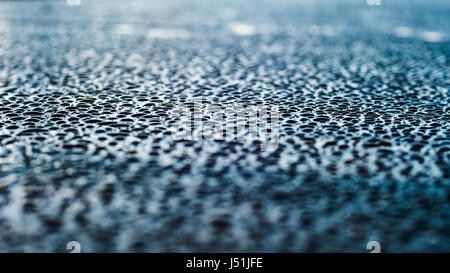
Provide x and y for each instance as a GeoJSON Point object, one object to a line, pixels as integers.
{"type": "Point", "coordinates": [87, 95]}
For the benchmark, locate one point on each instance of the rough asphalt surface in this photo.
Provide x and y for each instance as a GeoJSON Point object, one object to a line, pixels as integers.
{"type": "Point", "coordinates": [86, 105]}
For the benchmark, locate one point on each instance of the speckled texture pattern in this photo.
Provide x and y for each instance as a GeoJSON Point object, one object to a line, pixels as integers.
{"type": "Point", "coordinates": [86, 105]}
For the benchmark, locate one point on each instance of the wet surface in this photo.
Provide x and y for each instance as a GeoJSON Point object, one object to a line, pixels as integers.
{"type": "Point", "coordinates": [87, 98]}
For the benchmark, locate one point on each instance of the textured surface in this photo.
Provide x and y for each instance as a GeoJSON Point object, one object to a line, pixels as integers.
{"type": "Point", "coordinates": [86, 100]}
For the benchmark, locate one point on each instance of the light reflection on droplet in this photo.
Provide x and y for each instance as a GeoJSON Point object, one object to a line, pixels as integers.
{"type": "Point", "coordinates": [167, 33]}
{"type": "Point", "coordinates": [432, 36]}
{"type": "Point", "coordinates": [242, 29]}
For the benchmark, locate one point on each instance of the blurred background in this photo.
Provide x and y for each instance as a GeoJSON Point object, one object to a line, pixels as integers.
{"type": "Point", "coordinates": [86, 98]}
